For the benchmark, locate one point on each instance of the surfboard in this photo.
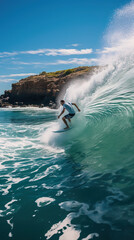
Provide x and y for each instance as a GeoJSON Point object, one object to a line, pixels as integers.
{"type": "Point", "coordinates": [61, 130]}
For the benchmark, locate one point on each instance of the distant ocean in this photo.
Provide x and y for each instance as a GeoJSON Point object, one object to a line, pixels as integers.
{"type": "Point", "coordinates": [73, 185]}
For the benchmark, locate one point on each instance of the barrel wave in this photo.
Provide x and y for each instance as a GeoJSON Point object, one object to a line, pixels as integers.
{"type": "Point", "coordinates": [77, 184]}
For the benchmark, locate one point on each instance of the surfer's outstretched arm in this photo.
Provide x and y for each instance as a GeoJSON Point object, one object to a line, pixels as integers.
{"type": "Point", "coordinates": [76, 106]}
{"type": "Point", "coordinates": [61, 112]}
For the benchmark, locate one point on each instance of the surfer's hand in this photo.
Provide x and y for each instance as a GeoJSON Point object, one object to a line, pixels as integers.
{"type": "Point", "coordinates": [79, 110]}
{"type": "Point", "coordinates": [59, 116]}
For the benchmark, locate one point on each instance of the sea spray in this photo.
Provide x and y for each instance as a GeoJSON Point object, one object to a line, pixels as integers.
{"type": "Point", "coordinates": [78, 184]}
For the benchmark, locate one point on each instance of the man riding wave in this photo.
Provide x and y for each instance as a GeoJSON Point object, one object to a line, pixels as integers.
{"type": "Point", "coordinates": [71, 112]}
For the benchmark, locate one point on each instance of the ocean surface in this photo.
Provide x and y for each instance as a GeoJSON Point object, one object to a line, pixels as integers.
{"type": "Point", "coordinates": [76, 185]}
{"type": "Point", "coordinates": [73, 185]}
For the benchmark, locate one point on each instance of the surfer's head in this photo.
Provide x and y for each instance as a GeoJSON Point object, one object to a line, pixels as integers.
{"type": "Point", "coordinates": [62, 102]}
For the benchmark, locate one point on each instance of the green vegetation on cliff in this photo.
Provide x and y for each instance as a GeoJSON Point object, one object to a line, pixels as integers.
{"type": "Point", "coordinates": [63, 73]}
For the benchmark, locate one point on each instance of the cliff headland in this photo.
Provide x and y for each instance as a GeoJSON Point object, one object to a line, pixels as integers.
{"type": "Point", "coordinates": [43, 89]}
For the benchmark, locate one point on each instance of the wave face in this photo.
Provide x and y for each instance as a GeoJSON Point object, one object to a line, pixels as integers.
{"type": "Point", "coordinates": [78, 184]}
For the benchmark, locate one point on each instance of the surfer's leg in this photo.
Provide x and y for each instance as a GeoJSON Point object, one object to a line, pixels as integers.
{"type": "Point", "coordinates": [69, 120]}
{"type": "Point", "coordinates": [64, 120]}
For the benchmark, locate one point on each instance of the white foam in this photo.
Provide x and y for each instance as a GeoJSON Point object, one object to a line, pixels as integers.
{"type": "Point", "coordinates": [70, 233]}
{"type": "Point", "coordinates": [90, 236]}
{"type": "Point", "coordinates": [10, 234]}
{"type": "Point", "coordinates": [6, 190]}
{"type": "Point", "coordinates": [16, 180]}
{"type": "Point", "coordinates": [8, 205]}
{"type": "Point", "coordinates": [68, 230]}
{"type": "Point", "coordinates": [11, 226]}
{"type": "Point", "coordinates": [70, 205]}
{"type": "Point", "coordinates": [42, 175]}
{"type": "Point", "coordinates": [59, 193]}
{"type": "Point", "coordinates": [44, 201]}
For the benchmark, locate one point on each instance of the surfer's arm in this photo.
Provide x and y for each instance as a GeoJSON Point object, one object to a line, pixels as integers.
{"type": "Point", "coordinates": [76, 106]}
{"type": "Point", "coordinates": [61, 112]}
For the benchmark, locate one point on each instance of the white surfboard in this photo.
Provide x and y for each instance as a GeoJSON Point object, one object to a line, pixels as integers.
{"type": "Point", "coordinates": [61, 130]}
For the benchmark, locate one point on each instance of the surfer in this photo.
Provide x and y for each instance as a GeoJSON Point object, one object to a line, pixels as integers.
{"type": "Point", "coordinates": [69, 107]}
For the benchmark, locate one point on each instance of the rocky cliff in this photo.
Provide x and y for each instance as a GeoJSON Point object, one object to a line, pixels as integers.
{"type": "Point", "coordinates": [43, 89]}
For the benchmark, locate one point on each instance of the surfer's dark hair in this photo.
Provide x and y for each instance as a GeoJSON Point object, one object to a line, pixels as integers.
{"type": "Point", "coordinates": [62, 101]}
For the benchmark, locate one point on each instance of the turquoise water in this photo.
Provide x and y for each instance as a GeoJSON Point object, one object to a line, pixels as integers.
{"type": "Point", "coordinates": [73, 185]}
{"type": "Point", "coordinates": [77, 185]}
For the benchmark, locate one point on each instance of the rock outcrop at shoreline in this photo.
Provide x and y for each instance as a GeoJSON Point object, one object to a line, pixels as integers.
{"type": "Point", "coordinates": [43, 89]}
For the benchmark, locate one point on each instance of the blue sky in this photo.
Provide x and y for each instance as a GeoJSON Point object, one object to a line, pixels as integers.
{"type": "Point", "coordinates": [50, 35]}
